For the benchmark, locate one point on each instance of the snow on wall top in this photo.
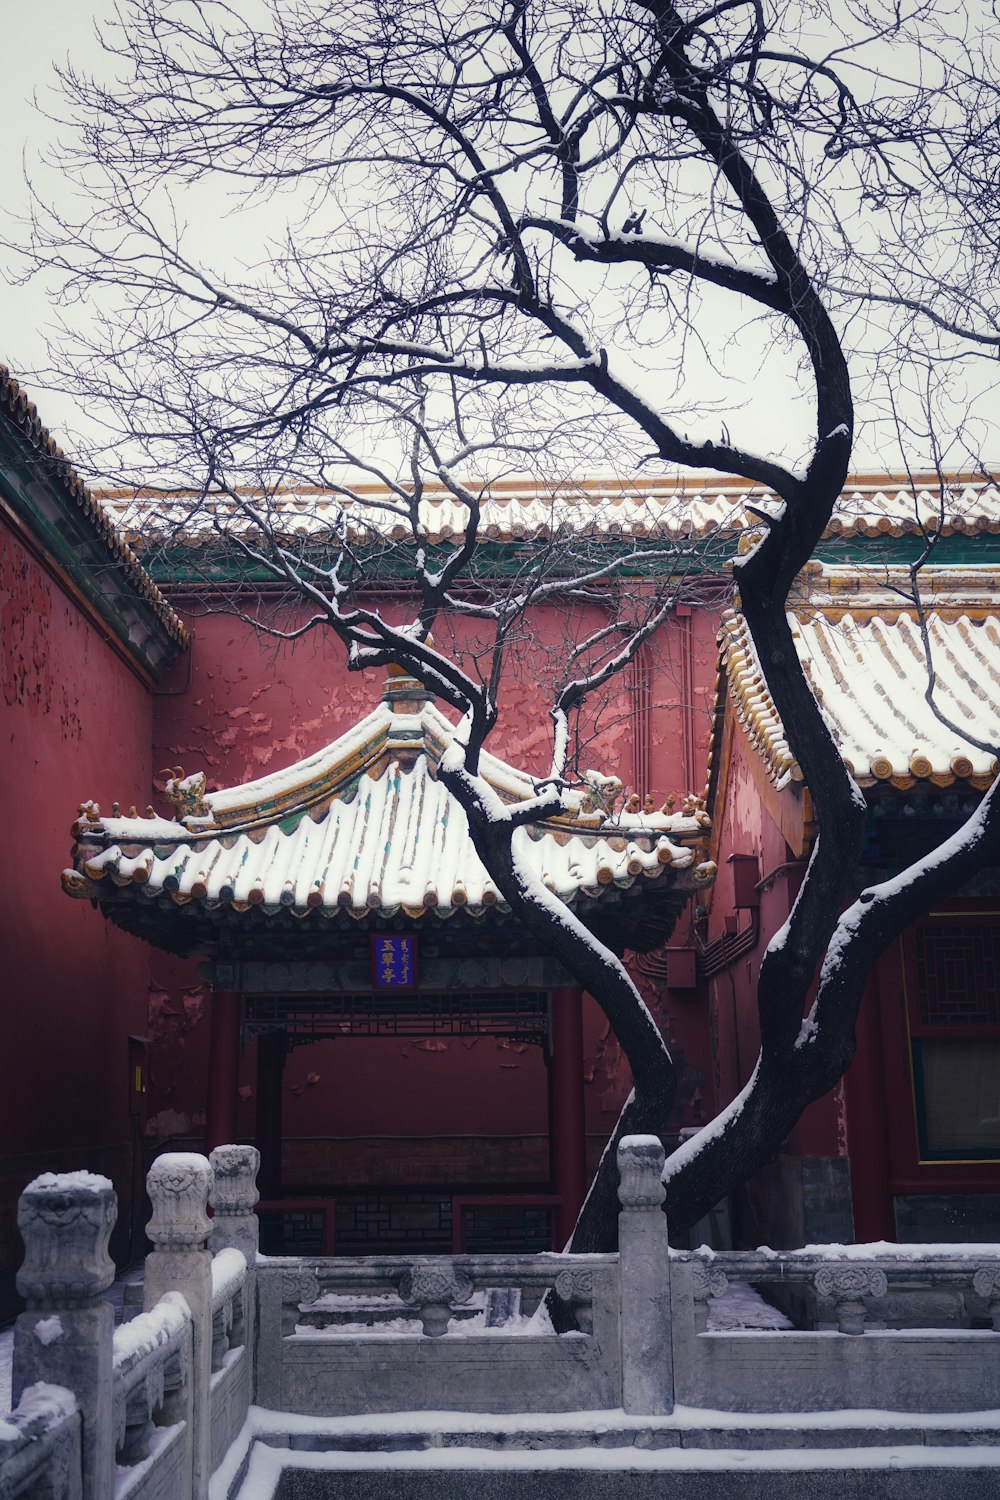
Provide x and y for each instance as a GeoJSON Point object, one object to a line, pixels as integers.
{"type": "Point", "coordinates": [365, 826]}
{"type": "Point", "coordinates": [689, 506]}
{"type": "Point", "coordinates": [868, 671]}
{"type": "Point", "coordinates": [20, 411]}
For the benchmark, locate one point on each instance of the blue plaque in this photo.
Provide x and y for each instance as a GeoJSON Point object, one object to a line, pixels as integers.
{"type": "Point", "coordinates": [394, 961]}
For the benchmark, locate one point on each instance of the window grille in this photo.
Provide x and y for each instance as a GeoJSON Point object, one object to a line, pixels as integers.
{"type": "Point", "coordinates": [958, 974]}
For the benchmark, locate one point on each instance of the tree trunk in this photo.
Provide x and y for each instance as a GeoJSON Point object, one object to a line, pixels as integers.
{"type": "Point", "coordinates": [602, 975]}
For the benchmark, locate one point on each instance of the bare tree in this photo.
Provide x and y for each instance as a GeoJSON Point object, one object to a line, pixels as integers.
{"type": "Point", "coordinates": [526, 238]}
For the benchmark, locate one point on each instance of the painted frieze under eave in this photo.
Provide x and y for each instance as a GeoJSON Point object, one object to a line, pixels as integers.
{"type": "Point", "coordinates": [364, 833]}
{"type": "Point", "coordinates": [679, 523]}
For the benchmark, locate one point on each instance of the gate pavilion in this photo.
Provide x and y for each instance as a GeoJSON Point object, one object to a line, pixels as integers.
{"type": "Point", "coordinates": [343, 897]}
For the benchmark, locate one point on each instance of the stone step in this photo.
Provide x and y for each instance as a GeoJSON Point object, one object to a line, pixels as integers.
{"type": "Point", "coordinates": [807, 1430]}
{"type": "Point", "coordinates": [689, 1456]}
{"type": "Point", "coordinates": [876, 1473]}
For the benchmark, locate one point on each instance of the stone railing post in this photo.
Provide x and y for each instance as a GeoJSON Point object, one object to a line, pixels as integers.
{"type": "Point", "coordinates": [65, 1336]}
{"type": "Point", "coordinates": [235, 1225]}
{"type": "Point", "coordinates": [644, 1271]}
{"type": "Point", "coordinates": [233, 1195]}
{"type": "Point", "coordinates": [178, 1185]}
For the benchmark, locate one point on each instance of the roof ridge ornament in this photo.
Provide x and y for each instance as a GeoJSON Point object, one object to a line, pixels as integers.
{"type": "Point", "coordinates": [404, 693]}
{"type": "Point", "coordinates": [187, 795]}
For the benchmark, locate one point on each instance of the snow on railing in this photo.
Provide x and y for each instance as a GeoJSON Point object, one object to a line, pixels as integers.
{"type": "Point", "coordinates": [147, 1411]}
{"type": "Point", "coordinates": [152, 1373]}
{"type": "Point", "coordinates": [169, 1391]}
{"type": "Point", "coordinates": [844, 1285]}
{"type": "Point", "coordinates": [612, 1313]}
{"type": "Point", "coordinates": [229, 1287]}
{"type": "Point", "coordinates": [39, 1441]}
{"type": "Point", "coordinates": [907, 1328]}
{"type": "Point", "coordinates": [432, 1294]}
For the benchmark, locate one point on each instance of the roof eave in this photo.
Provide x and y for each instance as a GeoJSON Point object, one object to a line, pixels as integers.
{"type": "Point", "coordinates": [639, 915]}
{"type": "Point", "coordinates": [50, 508]}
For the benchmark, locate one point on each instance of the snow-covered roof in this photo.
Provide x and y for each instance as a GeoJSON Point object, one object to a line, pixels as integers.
{"type": "Point", "coordinates": [687, 506]}
{"type": "Point", "coordinates": [862, 650]}
{"type": "Point", "coordinates": [364, 829]}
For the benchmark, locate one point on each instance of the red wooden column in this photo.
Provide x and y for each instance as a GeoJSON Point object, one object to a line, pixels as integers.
{"type": "Point", "coordinates": [867, 1096]}
{"type": "Point", "coordinates": [569, 1141]}
{"type": "Point", "coordinates": [223, 1070]}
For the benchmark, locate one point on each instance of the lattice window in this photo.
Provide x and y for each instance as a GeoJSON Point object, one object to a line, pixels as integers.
{"type": "Point", "coordinates": [500, 1228]}
{"type": "Point", "coordinates": [292, 1231]}
{"type": "Point", "coordinates": [958, 974]}
{"type": "Point", "coordinates": [379, 1223]}
{"type": "Point", "coordinates": [958, 1096]}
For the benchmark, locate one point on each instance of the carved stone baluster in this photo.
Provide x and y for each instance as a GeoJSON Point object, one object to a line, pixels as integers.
{"type": "Point", "coordinates": [847, 1285]}
{"type": "Point", "coordinates": [433, 1291]}
{"type": "Point", "coordinates": [178, 1185]}
{"type": "Point", "coordinates": [986, 1284]}
{"type": "Point", "coordinates": [134, 1439]}
{"type": "Point", "coordinates": [238, 1308]}
{"type": "Point", "coordinates": [298, 1288]}
{"type": "Point", "coordinates": [155, 1389]}
{"type": "Point", "coordinates": [577, 1288]}
{"type": "Point", "coordinates": [66, 1335]}
{"type": "Point", "coordinates": [706, 1281]}
{"type": "Point", "coordinates": [644, 1272]}
{"type": "Point", "coordinates": [174, 1404]}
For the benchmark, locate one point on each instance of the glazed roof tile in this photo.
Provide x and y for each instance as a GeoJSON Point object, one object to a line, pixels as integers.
{"type": "Point", "coordinates": [364, 827]}
{"type": "Point", "coordinates": [689, 507]}
{"type": "Point", "coordinates": [867, 667]}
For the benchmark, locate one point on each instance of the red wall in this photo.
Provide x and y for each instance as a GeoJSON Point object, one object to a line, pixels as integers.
{"type": "Point", "coordinates": [240, 705]}
{"type": "Point", "coordinates": [74, 722]}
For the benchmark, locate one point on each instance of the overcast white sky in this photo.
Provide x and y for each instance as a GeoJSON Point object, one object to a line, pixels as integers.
{"type": "Point", "coordinates": [35, 37]}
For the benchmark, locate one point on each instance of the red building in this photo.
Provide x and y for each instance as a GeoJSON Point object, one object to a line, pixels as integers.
{"type": "Point", "coordinates": [85, 639]}
{"type": "Point", "coordinates": [297, 821]}
{"type": "Point", "coordinates": [908, 1146]}
{"type": "Point", "coordinates": [496, 1081]}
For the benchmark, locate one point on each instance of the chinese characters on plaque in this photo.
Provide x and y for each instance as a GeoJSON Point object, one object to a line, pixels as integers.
{"type": "Point", "coordinates": [394, 962]}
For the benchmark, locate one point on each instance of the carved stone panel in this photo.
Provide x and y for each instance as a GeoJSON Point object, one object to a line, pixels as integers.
{"type": "Point", "coordinates": [847, 1285]}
